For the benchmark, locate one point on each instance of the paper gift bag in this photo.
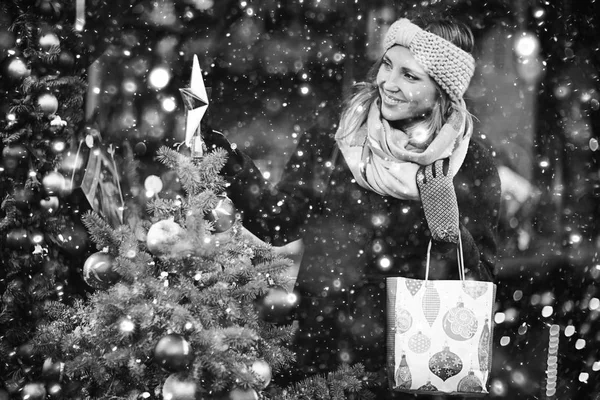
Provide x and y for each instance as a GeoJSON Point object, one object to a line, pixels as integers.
{"type": "Point", "coordinates": [439, 336]}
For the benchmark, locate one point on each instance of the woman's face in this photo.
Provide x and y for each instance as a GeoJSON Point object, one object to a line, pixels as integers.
{"type": "Point", "coordinates": [407, 92]}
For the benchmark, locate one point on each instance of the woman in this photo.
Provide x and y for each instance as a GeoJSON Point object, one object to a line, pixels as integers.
{"type": "Point", "coordinates": [363, 219]}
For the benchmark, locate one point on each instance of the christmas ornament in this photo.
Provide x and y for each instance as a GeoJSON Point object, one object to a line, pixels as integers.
{"type": "Point", "coordinates": [50, 204]}
{"type": "Point", "coordinates": [25, 352]}
{"type": "Point", "coordinates": [403, 375]}
{"type": "Point", "coordinates": [180, 388]}
{"type": "Point", "coordinates": [54, 183]}
{"type": "Point", "coordinates": [263, 370]}
{"type": "Point", "coordinates": [431, 303]}
{"type": "Point", "coordinates": [474, 289]}
{"type": "Point", "coordinates": [17, 68]}
{"type": "Point", "coordinates": [223, 215]}
{"type": "Point", "coordinates": [153, 184]}
{"type": "Point", "coordinates": [428, 387]}
{"type": "Point", "coordinates": [470, 384]}
{"type": "Point", "coordinates": [13, 156]}
{"type": "Point", "coordinates": [33, 391]}
{"type": "Point", "coordinates": [173, 353]}
{"type": "Point", "coordinates": [403, 320]}
{"type": "Point", "coordinates": [419, 343]}
{"type": "Point", "coordinates": [460, 323]}
{"type": "Point", "coordinates": [98, 271]}
{"type": "Point", "coordinates": [73, 238]}
{"type": "Point", "coordinates": [23, 197]}
{"type": "Point", "coordinates": [243, 394]}
{"type": "Point", "coordinates": [52, 371]}
{"type": "Point", "coordinates": [445, 364]}
{"type": "Point", "coordinates": [195, 99]}
{"type": "Point", "coordinates": [18, 239]}
{"type": "Point", "coordinates": [49, 8]}
{"type": "Point", "coordinates": [48, 103]}
{"type": "Point", "coordinates": [484, 348]}
{"type": "Point", "coordinates": [48, 40]}
{"type": "Point", "coordinates": [55, 390]}
{"type": "Point", "coordinates": [413, 285]}
{"type": "Point", "coordinates": [66, 59]}
{"type": "Point", "coordinates": [277, 305]}
{"type": "Point", "coordinates": [163, 235]}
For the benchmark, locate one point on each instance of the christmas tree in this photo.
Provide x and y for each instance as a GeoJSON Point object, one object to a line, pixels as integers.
{"type": "Point", "coordinates": [42, 241]}
{"type": "Point", "coordinates": [182, 310]}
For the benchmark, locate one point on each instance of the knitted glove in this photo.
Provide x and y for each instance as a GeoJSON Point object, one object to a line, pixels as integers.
{"type": "Point", "coordinates": [439, 200]}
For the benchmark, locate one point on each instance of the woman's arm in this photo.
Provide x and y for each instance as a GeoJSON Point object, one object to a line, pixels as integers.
{"type": "Point", "coordinates": [276, 213]}
{"type": "Point", "coordinates": [478, 194]}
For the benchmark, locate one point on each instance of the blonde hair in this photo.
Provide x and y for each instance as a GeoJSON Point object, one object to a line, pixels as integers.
{"type": "Point", "coordinates": [356, 107]}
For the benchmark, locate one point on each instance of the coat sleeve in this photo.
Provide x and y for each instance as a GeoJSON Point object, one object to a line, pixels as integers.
{"type": "Point", "coordinates": [276, 213]}
{"type": "Point", "coordinates": [477, 188]}
{"type": "Point", "coordinates": [478, 193]}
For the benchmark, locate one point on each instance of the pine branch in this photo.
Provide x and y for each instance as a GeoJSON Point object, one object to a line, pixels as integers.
{"type": "Point", "coordinates": [100, 232]}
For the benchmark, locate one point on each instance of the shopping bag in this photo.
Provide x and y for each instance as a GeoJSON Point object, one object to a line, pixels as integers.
{"type": "Point", "coordinates": [439, 336]}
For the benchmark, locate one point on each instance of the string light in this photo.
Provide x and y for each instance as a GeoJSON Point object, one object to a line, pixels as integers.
{"type": "Point", "coordinates": [552, 362]}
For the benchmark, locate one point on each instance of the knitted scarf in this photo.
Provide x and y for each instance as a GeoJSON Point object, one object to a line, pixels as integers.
{"type": "Point", "coordinates": [384, 160]}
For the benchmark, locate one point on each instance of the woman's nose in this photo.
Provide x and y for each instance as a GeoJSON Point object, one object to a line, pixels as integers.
{"type": "Point", "coordinates": [391, 82]}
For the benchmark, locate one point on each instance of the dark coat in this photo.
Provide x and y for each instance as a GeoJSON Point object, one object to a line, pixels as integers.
{"type": "Point", "coordinates": [353, 238]}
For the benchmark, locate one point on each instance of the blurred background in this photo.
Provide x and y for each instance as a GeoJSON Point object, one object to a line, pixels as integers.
{"type": "Point", "coordinates": [277, 68]}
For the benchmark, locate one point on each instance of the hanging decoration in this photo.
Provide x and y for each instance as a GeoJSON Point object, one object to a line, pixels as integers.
{"type": "Point", "coordinates": [431, 303]}
{"type": "Point", "coordinates": [445, 364]}
{"type": "Point", "coordinates": [195, 99]}
{"type": "Point", "coordinates": [403, 375]}
{"type": "Point", "coordinates": [460, 323]}
{"type": "Point", "coordinates": [470, 384]}
{"type": "Point", "coordinates": [403, 320]}
{"type": "Point", "coordinates": [419, 343]}
{"type": "Point", "coordinates": [413, 285]}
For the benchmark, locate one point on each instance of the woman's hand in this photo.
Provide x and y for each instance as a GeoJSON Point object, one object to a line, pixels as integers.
{"type": "Point", "coordinates": [439, 200]}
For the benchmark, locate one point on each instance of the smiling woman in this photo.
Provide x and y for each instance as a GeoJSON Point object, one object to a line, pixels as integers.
{"type": "Point", "coordinates": [365, 218]}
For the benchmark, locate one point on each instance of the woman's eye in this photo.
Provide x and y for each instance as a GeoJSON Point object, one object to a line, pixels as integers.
{"type": "Point", "coordinates": [410, 77]}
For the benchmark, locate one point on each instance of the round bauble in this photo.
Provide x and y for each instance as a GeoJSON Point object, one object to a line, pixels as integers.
{"type": "Point", "coordinates": [33, 391]}
{"type": "Point", "coordinates": [14, 156]}
{"type": "Point", "coordinates": [52, 371]}
{"type": "Point", "coordinates": [26, 353]}
{"type": "Point", "coordinates": [173, 353]}
{"type": "Point", "coordinates": [263, 370]}
{"type": "Point", "coordinates": [66, 59]}
{"type": "Point", "coordinates": [48, 40]}
{"type": "Point", "coordinates": [54, 183]}
{"type": "Point", "coordinates": [276, 305]}
{"type": "Point", "coordinates": [48, 103]}
{"type": "Point", "coordinates": [243, 394]}
{"type": "Point", "coordinates": [18, 239]}
{"type": "Point", "coordinates": [23, 197]}
{"type": "Point", "coordinates": [180, 388]}
{"type": "Point", "coordinates": [55, 390]}
{"type": "Point", "coordinates": [17, 68]}
{"type": "Point", "coordinates": [73, 239]}
{"type": "Point", "coordinates": [223, 215]}
{"type": "Point", "coordinates": [50, 204]}
{"type": "Point", "coordinates": [163, 235]}
{"type": "Point", "coordinates": [98, 271]}
{"type": "Point", "coordinates": [50, 8]}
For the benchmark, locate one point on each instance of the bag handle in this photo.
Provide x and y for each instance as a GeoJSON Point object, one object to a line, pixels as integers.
{"type": "Point", "coordinates": [459, 258]}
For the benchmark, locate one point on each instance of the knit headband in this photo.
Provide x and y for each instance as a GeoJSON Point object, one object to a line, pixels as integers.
{"type": "Point", "coordinates": [449, 65]}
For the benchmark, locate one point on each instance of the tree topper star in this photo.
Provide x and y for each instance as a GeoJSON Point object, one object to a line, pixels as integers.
{"type": "Point", "coordinates": [195, 99]}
